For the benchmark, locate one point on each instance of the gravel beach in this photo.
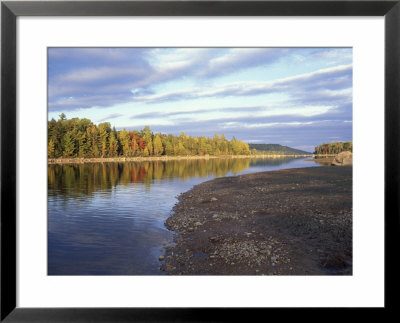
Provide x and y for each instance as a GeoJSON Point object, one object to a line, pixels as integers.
{"type": "Point", "coordinates": [286, 222]}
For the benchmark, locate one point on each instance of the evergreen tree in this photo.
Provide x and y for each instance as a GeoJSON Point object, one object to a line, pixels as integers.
{"type": "Point", "coordinates": [82, 144]}
{"type": "Point", "coordinates": [50, 149]}
{"type": "Point", "coordinates": [148, 137]}
{"type": "Point", "coordinates": [93, 141]}
{"type": "Point", "coordinates": [113, 145]}
{"type": "Point", "coordinates": [104, 130]}
{"type": "Point", "coordinates": [69, 145]}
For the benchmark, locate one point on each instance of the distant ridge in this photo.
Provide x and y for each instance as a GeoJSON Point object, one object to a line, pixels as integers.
{"type": "Point", "coordinates": [275, 148]}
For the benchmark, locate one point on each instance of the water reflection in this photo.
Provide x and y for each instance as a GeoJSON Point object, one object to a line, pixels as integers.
{"type": "Point", "coordinates": [89, 178]}
{"type": "Point", "coordinates": [108, 219]}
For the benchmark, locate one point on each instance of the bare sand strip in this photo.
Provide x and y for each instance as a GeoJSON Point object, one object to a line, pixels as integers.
{"type": "Point", "coordinates": [155, 158]}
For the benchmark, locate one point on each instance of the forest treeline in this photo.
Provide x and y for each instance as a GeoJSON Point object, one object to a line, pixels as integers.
{"type": "Point", "coordinates": [82, 138]}
{"type": "Point", "coordinates": [276, 149]}
{"type": "Point", "coordinates": [334, 148]}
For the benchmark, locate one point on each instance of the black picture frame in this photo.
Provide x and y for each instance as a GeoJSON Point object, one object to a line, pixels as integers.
{"type": "Point", "coordinates": [10, 10]}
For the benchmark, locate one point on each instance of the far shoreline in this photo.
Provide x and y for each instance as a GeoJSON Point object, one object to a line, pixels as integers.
{"type": "Point", "coordinates": [62, 161]}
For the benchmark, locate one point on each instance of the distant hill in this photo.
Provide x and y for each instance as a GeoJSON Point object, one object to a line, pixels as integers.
{"type": "Point", "coordinates": [277, 149]}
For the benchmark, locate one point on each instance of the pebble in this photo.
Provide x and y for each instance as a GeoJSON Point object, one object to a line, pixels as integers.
{"type": "Point", "coordinates": [190, 229]}
{"type": "Point", "coordinates": [214, 199]}
{"type": "Point", "coordinates": [169, 267]}
{"type": "Point", "coordinates": [161, 258]}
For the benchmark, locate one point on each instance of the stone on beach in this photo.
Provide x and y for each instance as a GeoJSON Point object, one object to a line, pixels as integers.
{"type": "Point", "coordinates": [345, 158]}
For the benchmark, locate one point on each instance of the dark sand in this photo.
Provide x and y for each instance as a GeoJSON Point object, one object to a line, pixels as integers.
{"type": "Point", "coordinates": [287, 222]}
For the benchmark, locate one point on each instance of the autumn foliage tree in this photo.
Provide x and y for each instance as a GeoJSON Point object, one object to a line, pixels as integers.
{"type": "Point", "coordinates": [82, 138]}
{"type": "Point", "coordinates": [333, 148]}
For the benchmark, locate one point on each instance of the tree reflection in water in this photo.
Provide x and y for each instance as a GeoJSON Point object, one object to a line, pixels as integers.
{"type": "Point", "coordinates": [78, 179]}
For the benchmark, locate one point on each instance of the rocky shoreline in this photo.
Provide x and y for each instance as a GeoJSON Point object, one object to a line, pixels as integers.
{"type": "Point", "coordinates": [62, 161]}
{"type": "Point", "coordinates": [286, 222]}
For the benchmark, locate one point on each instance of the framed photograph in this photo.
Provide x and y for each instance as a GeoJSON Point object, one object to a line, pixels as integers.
{"type": "Point", "coordinates": [175, 160]}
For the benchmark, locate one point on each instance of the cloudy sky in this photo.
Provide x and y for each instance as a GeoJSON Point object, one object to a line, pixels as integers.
{"type": "Point", "coordinates": [298, 97]}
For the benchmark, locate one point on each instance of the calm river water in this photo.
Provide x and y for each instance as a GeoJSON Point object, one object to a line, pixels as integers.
{"type": "Point", "coordinates": [108, 219]}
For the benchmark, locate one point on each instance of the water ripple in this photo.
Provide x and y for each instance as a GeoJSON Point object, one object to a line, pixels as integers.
{"type": "Point", "coordinates": [108, 219]}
